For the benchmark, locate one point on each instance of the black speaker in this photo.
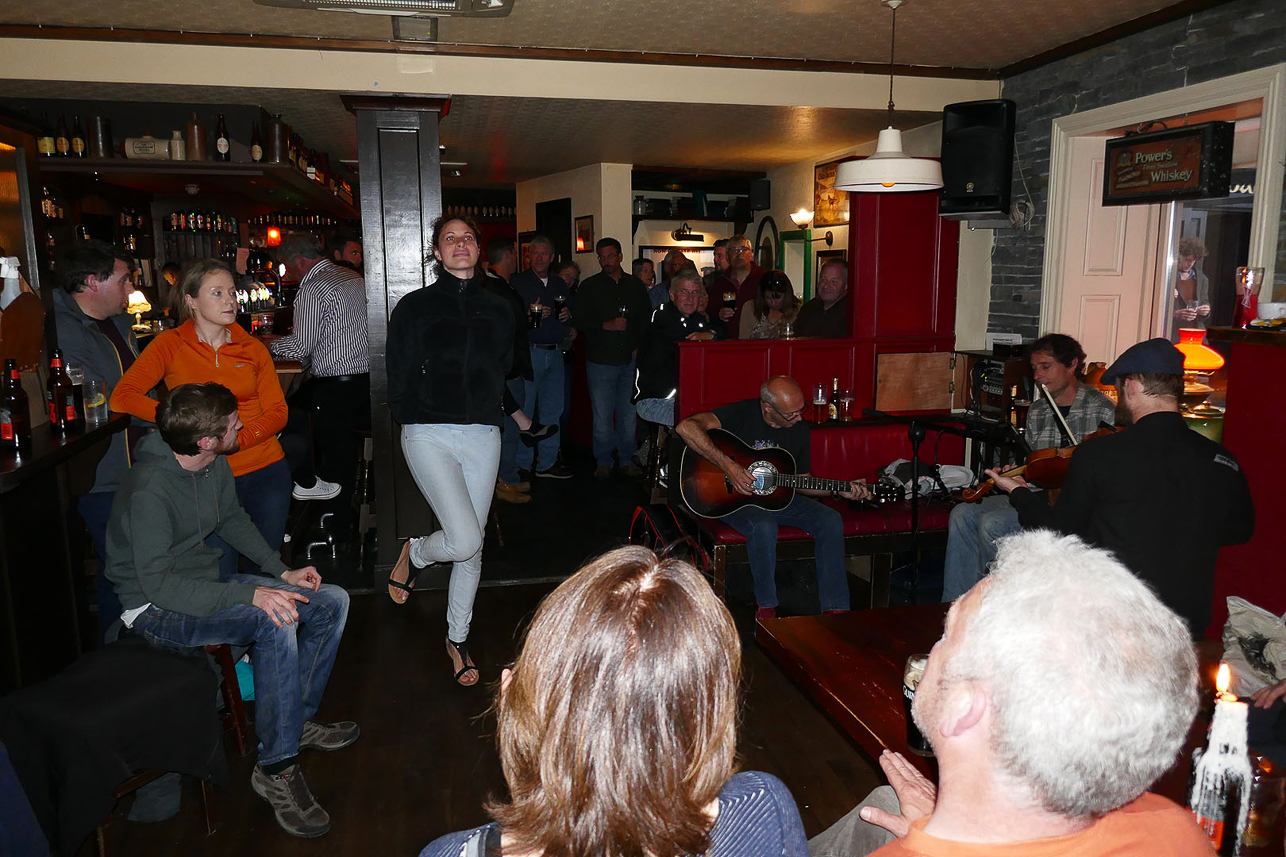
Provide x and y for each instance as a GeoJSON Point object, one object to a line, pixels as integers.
{"type": "Point", "coordinates": [977, 159]}
{"type": "Point", "coordinates": [760, 195]}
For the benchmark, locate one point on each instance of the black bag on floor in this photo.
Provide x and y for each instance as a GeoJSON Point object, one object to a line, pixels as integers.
{"type": "Point", "coordinates": [658, 528]}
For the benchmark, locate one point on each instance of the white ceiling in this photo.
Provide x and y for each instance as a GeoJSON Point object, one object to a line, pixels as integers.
{"type": "Point", "coordinates": [505, 139]}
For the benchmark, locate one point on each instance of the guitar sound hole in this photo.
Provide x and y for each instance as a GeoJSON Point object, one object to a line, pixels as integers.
{"type": "Point", "coordinates": [765, 477]}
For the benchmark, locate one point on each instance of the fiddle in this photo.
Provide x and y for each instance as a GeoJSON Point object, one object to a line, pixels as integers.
{"type": "Point", "coordinates": [1046, 467]}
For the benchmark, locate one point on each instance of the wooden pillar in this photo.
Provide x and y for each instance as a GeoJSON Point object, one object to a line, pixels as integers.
{"type": "Point", "coordinates": [401, 191]}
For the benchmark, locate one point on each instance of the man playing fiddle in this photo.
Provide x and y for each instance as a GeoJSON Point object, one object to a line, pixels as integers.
{"type": "Point", "coordinates": [1058, 363]}
{"type": "Point", "coordinates": [1160, 496]}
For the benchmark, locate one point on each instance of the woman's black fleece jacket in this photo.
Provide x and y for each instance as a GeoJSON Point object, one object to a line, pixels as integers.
{"type": "Point", "coordinates": [450, 346]}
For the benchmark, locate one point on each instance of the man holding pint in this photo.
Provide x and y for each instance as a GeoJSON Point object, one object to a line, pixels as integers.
{"type": "Point", "coordinates": [1060, 691]}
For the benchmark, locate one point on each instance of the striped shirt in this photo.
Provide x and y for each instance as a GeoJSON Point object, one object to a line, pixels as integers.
{"type": "Point", "coordinates": [330, 323]}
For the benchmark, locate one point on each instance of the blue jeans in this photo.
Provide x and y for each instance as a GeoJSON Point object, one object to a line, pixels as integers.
{"type": "Point", "coordinates": [292, 663]}
{"type": "Point", "coordinates": [656, 410]}
{"type": "Point", "coordinates": [971, 541]}
{"type": "Point", "coordinates": [610, 391]}
{"type": "Point", "coordinates": [265, 495]}
{"type": "Point", "coordinates": [544, 404]}
{"type": "Point", "coordinates": [509, 440]}
{"type": "Point", "coordinates": [826, 527]}
{"type": "Point", "coordinates": [95, 509]}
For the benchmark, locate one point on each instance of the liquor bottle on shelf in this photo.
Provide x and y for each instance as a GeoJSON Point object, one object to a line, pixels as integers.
{"type": "Point", "coordinates": [51, 250]}
{"type": "Point", "coordinates": [178, 149]}
{"type": "Point", "coordinates": [77, 138]}
{"type": "Point", "coordinates": [195, 139]}
{"type": "Point", "coordinates": [256, 145]}
{"type": "Point", "coordinates": [62, 140]}
{"type": "Point", "coordinates": [222, 144]}
{"type": "Point", "coordinates": [832, 405]}
{"type": "Point", "coordinates": [60, 395]}
{"type": "Point", "coordinates": [292, 150]}
{"type": "Point", "coordinates": [45, 144]}
{"type": "Point", "coordinates": [302, 161]}
{"type": "Point", "coordinates": [15, 416]}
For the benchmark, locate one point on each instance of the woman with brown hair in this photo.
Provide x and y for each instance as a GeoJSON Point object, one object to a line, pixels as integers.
{"type": "Point", "coordinates": [210, 346]}
{"type": "Point", "coordinates": [774, 307]}
{"type": "Point", "coordinates": [617, 727]}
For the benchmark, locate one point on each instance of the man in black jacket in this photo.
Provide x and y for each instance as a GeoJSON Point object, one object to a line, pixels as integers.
{"type": "Point", "coordinates": [1161, 497]}
{"type": "Point", "coordinates": [677, 318]}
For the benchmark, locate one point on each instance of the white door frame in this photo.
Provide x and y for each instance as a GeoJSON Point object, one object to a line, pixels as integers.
{"type": "Point", "coordinates": [1268, 84]}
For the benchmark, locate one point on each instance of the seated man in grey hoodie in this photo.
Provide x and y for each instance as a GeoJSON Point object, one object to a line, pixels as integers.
{"type": "Point", "coordinates": [180, 491]}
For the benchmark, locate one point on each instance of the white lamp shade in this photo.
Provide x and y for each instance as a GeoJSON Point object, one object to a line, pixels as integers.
{"type": "Point", "coordinates": [889, 170]}
{"type": "Point", "coordinates": [801, 218]}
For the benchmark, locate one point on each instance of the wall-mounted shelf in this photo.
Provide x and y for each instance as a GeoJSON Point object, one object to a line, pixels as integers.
{"type": "Point", "coordinates": [278, 185]}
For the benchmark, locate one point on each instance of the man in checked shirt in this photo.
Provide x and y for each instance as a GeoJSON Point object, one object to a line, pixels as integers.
{"type": "Point", "coordinates": [330, 339]}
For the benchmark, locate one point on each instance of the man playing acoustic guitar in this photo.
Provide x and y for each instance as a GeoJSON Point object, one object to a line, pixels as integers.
{"type": "Point", "coordinates": [775, 420]}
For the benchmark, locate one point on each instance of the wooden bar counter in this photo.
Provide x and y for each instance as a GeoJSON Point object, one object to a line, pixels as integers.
{"type": "Point", "coordinates": [43, 607]}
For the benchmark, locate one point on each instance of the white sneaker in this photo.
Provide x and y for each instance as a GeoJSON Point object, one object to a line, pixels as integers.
{"type": "Point", "coordinates": [323, 490]}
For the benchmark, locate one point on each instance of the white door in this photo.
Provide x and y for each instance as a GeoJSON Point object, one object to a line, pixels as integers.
{"type": "Point", "coordinates": [1109, 262]}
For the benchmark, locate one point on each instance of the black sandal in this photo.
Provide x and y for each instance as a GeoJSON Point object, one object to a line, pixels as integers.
{"type": "Point", "coordinates": [412, 572]}
{"type": "Point", "coordinates": [462, 651]}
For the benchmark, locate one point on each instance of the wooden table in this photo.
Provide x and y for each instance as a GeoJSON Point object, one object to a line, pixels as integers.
{"type": "Point", "coordinates": [851, 665]}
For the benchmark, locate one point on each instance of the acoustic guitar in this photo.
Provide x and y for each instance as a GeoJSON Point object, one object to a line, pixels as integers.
{"type": "Point", "coordinates": [709, 493]}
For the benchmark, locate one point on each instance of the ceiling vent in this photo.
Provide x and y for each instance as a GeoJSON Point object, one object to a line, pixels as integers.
{"type": "Point", "coordinates": [462, 8]}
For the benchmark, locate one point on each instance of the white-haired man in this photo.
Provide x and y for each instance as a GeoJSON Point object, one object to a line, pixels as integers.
{"type": "Point", "coordinates": [1061, 689]}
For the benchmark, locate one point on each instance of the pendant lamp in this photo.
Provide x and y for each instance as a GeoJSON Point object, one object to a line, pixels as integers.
{"type": "Point", "coordinates": [889, 170]}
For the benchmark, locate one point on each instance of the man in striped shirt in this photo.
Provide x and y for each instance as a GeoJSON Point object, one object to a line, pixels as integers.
{"type": "Point", "coordinates": [330, 339]}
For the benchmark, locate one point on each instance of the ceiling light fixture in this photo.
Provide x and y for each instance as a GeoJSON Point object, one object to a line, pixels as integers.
{"type": "Point", "coordinates": [685, 233]}
{"type": "Point", "coordinates": [889, 170]}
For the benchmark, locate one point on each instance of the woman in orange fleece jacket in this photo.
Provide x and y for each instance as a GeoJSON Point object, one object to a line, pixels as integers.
{"type": "Point", "coordinates": [211, 346]}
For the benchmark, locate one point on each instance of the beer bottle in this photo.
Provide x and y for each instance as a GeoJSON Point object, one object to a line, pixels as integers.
{"type": "Point", "coordinates": [15, 419]}
{"type": "Point", "coordinates": [832, 405]}
{"type": "Point", "coordinates": [45, 144]}
{"type": "Point", "coordinates": [60, 395]}
{"type": "Point", "coordinates": [222, 145]}
{"type": "Point", "coordinates": [77, 138]}
{"type": "Point", "coordinates": [62, 141]}
{"type": "Point", "coordinates": [256, 145]}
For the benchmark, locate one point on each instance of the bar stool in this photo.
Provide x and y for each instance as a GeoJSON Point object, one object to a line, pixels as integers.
{"type": "Point", "coordinates": [364, 486]}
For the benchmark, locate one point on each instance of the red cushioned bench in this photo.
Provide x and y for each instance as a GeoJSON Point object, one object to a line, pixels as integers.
{"type": "Point", "coordinates": [857, 450]}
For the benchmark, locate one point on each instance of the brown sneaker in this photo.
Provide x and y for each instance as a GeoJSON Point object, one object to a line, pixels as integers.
{"type": "Point", "coordinates": [296, 809]}
{"type": "Point", "coordinates": [510, 494]}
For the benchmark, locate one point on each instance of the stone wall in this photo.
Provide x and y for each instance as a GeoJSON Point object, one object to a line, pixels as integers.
{"type": "Point", "coordinates": [1228, 39]}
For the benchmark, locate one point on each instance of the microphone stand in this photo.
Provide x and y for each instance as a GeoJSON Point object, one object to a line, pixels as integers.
{"type": "Point", "coordinates": [915, 432]}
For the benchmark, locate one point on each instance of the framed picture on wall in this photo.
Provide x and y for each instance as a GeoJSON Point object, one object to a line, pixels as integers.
{"type": "Point", "coordinates": [585, 234]}
{"type": "Point", "coordinates": [830, 206]}
{"type": "Point", "coordinates": [822, 257]}
{"type": "Point", "coordinates": [524, 250]}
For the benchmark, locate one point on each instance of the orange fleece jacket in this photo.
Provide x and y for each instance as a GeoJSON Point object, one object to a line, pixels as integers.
{"type": "Point", "coordinates": [243, 365]}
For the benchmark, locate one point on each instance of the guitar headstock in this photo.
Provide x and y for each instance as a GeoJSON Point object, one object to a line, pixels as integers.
{"type": "Point", "coordinates": [887, 491]}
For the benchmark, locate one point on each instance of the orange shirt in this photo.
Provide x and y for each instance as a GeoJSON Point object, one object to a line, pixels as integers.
{"type": "Point", "coordinates": [1149, 824]}
{"type": "Point", "coordinates": [243, 365]}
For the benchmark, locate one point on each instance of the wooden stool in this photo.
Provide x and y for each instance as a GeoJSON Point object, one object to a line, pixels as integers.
{"type": "Point", "coordinates": [234, 711]}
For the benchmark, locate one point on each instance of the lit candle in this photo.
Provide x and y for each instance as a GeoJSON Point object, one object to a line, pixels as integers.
{"type": "Point", "coordinates": [1221, 783]}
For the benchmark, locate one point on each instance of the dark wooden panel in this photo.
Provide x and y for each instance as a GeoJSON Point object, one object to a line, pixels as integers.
{"type": "Point", "coordinates": [401, 196]}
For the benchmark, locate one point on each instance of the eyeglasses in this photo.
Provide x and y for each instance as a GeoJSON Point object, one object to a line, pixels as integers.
{"type": "Point", "coordinates": [790, 417]}
{"type": "Point", "coordinates": [453, 239]}
{"type": "Point", "coordinates": [738, 248]}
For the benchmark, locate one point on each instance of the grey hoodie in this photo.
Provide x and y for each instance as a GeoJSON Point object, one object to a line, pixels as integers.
{"type": "Point", "coordinates": [156, 551]}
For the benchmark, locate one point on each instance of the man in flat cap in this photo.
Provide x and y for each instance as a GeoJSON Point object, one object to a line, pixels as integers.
{"type": "Point", "coordinates": [1160, 496]}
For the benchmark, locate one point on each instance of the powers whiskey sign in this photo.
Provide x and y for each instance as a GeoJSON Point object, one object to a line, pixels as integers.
{"type": "Point", "coordinates": [1186, 163]}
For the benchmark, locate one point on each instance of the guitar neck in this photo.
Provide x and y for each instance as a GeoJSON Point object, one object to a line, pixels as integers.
{"type": "Point", "coordinates": [810, 483]}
